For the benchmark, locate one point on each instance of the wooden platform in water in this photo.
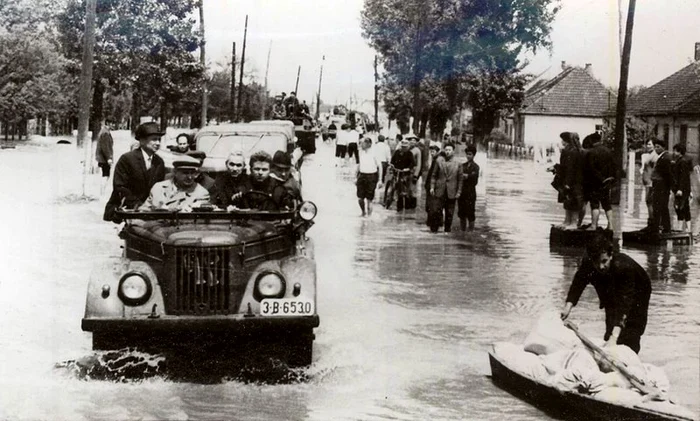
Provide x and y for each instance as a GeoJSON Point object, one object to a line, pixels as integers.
{"type": "Point", "coordinates": [676, 238]}
{"type": "Point", "coordinates": [575, 237]}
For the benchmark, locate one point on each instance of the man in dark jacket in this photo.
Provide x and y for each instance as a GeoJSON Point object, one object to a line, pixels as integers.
{"type": "Point", "coordinates": [136, 172]}
{"type": "Point", "coordinates": [230, 185]}
{"type": "Point", "coordinates": [682, 168]}
{"type": "Point", "coordinates": [662, 179]}
{"type": "Point", "coordinates": [403, 160]}
{"type": "Point", "coordinates": [623, 287]}
{"type": "Point", "coordinates": [598, 179]}
{"type": "Point", "coordinates": [467, 192]}
{"type": "Point", "coordinates": [104, 155]}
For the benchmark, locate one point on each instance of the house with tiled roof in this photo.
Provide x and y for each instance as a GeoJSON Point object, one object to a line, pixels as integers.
{"type": "Point", "coordinates": [572, 101]}
{"type": "Point", "coordinates": [672, 106]}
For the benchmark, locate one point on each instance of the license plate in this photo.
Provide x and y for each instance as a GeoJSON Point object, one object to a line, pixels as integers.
{"type": "Point", "coordinates": [286, 307]}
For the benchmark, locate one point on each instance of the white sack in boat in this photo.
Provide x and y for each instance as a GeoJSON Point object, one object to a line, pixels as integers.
{"type": "Point", "coordinates": [521, 361]}
{"type": "Point", "coordinates": [657, 377]}
{"type": "Point", "coordinates": [550, 335]}
{"type": "Point", "coordinates": [619, 395]}
{"type": "Point", "coordinates": [579, 372]}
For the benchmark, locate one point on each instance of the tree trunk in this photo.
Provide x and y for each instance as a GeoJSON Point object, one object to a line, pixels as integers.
{"type": "Point", "coordinates": [423, 125]}
{"type": "Point", "coordinates": [97, 109]}
{"type": "Point", "coordinates": [483, 123]}
{"type": "Point", "coordinates": [135, 109]}
{"type": "Point", "coordinates": [163, 114]}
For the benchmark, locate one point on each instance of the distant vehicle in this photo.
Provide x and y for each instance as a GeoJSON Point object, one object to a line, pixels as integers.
{"type": "Point", "coordinates": [217, 142]}
{"type": "Point", "coordinates": [209, 279]}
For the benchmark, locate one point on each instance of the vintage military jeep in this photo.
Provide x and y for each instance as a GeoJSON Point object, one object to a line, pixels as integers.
{"type": "Point", "coordinates": [211, 279]}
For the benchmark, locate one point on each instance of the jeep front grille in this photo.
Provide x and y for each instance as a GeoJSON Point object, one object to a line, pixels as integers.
{"type": "Point", "coordinates": [204, 277]}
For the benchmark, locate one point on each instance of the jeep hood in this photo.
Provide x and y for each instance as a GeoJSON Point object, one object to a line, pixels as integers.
{"type": "Point", "coordinates": [204, 234]}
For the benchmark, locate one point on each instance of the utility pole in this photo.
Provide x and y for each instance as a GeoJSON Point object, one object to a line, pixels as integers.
{"type": "Point", "coordinates": [240, 79]}
{"type": "Point", "coordinates": [202, 59]}
{"type": "Point", "coordinates": [318, 94]}
{"type": "Point", "coordinates": [622, 89]}
{"type": "Point", "coordinates": [233, 84]}
{"type": "Point", "coordinates": [85, 87]}
{"type": "Point", "coordinates": [376, 96]}
{"type": "Point", "coordinates": [267, 70]}
{"type": "Point", "coordinates": [296, 86]}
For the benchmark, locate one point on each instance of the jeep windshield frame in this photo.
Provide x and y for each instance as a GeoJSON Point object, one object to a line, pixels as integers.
{"type": "Point", "coordinates": [205, 214]}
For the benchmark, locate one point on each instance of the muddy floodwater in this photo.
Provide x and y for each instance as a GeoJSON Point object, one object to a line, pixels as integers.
{"type": "Point", "coordinates": [407, 317]}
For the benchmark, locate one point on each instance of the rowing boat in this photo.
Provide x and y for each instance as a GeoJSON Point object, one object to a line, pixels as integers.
{"type": "Point", "coordinates": [578, 406]}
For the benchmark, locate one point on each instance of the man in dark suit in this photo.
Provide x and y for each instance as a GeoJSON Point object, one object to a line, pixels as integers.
{"type": "Point", "coordinates": [136, 171]}
{"type": "Point", "coordinates": [662, 179]}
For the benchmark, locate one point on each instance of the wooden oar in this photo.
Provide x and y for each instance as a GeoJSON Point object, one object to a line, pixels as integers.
{"type": "Point", "coordinates": [641, 384]}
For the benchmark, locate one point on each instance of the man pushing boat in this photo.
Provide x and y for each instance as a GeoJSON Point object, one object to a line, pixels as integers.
{"type": "Point", "coordinates": [623, 288]}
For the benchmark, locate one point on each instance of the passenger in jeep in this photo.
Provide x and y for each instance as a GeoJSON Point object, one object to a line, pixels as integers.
{"type": "Point", "coordinates": [282, 171]}
{"type": "Point", "coordinates": [181, 192]}
{"type": "Point", "coordinates": [232, 184]}
{"type": "Point", "coordinates": [263, 192]}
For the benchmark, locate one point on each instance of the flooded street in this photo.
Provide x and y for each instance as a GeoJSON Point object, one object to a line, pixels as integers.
{"type": "Point", "coordinates": [407, 317]}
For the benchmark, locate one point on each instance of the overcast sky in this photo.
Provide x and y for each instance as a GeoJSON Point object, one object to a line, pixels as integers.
{"type": "Point", "coordinates": [303, 31]}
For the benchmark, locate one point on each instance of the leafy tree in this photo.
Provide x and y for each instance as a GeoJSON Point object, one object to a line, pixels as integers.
{"type": "Point", "coordinates": [142, 46]}
{"type": "Point", "coordinates": [33, 77]}
{"type": "Point", "coordinates": [454, 46]}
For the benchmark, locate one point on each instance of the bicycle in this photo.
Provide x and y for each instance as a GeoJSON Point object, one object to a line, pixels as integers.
{"type": "Point", "coordinates": [397, 181]}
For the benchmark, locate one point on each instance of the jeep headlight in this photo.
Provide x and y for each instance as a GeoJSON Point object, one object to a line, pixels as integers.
{"type": "Point", "coordinates": [269, 285]}
{"type": "Point", "coordinates": [307, 211]}
{"type": "Point", "coordinates": [134, 289]}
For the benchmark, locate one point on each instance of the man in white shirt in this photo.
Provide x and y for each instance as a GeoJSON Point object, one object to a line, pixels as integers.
{"type": "Point", "coordinates": [353, 138]}
{"type": "Point", "coordinates": [383, 154]}
{"type": "Point", "coordinates": [369, 172]}
{"type": "Point", "coordinates": [341, 144]}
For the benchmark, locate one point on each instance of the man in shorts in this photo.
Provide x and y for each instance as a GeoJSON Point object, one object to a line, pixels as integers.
{"type": "Point", "coordinates": [598, 179]}
{"type": "Point", "coordinates": [341, 144]}
{"type": "Point", "coordinates": [369, 173]}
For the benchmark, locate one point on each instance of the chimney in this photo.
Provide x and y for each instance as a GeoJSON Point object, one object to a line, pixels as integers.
{"type": "Point", "coordinates": [589, 69]}
{"type": "Point", "coordinates": [697, 51]}
{"type": "Point", "coordinates": [563, 65]}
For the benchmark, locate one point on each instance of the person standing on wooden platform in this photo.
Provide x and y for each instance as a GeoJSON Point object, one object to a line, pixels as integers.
{"type": "Point", "coordinates": [662, 182]}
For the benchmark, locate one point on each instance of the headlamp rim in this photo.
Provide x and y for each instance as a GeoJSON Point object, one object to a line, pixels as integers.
{"type": "Point", "coordinates": [256, 287]}
{"type": "Point", "coordinates": [138, 301]}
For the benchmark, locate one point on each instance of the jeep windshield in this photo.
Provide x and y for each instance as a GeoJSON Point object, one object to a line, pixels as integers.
{"type": "Point", "coordinates": [220, 145]}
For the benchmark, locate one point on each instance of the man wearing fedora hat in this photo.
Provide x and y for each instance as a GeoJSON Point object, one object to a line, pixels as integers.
{"type": "Point", "coordinates": [282, 172]}
{"type": "Point", "coordinates": [136, 171]}
{"type": "Point", "coordinates": [181, 191]}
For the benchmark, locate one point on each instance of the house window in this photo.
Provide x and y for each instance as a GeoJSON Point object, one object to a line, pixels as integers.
{"type": "Point", "coordinates": [656, 131]}
{"type": "Point", "coordinates": [666, 133]}
{"type": "Point", "coordinates": [683, 135]}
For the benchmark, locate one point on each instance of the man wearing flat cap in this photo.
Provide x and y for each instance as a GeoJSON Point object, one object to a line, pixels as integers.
{"type": "Point", "coordinates": [136, 171]}
{"type": "Point", "coordinates": [180, 192]}
{"type": "Point", "coordinates": [282, 172]}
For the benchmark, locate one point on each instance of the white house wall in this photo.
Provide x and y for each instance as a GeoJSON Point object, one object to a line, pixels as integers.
{"type": "Point", "coordinates": [543, 131]}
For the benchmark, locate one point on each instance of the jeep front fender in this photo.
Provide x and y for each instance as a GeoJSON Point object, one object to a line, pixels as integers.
{"type": "Point", "coordinates": [103, 290]}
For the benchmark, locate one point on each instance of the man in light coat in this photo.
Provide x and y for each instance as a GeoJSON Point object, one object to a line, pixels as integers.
{"type": "Point", "coordinates": [180, 192]}
{"type": "Point", "coordinates": [445, 183]}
